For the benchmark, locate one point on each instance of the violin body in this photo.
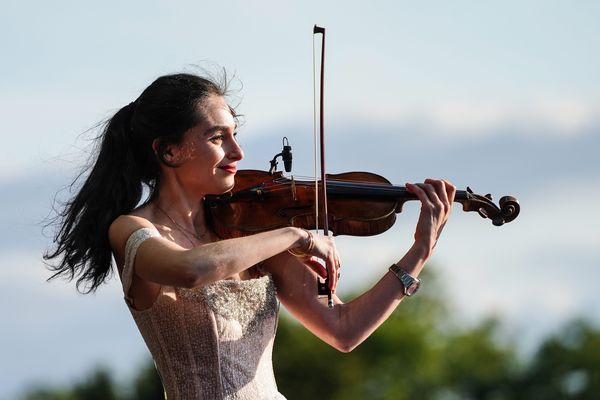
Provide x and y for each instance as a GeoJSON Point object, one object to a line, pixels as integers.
{"type": "Point", "coordinates": [359, 204]}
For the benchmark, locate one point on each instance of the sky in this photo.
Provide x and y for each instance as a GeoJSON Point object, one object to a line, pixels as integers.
{"type": "Point", "coordinates": [503, 97]}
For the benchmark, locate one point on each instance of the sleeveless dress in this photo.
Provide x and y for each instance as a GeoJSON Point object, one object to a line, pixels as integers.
{"type": "Point", "coordinates": [211, 342]}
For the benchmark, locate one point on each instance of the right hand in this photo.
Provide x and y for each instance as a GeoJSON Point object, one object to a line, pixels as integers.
{"type": "Point", "coordinates": [323, 249]}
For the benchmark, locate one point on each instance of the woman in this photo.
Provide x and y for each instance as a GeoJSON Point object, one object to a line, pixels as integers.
{"type": "Point", "coordinates": [207, 308]}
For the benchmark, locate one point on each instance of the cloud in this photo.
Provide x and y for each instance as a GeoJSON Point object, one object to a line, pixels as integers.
{"type": "Point", "coordinates": [551, 115]}
{"type": "Point", "coordinates": [554, 115]}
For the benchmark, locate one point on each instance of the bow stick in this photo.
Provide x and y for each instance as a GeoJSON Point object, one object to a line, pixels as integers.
{"type": "Point", "coordinates": [323, 287]}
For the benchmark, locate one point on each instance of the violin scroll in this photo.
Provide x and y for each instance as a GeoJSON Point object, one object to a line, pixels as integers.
{"type": "Point", "coordinates": [508, 207]}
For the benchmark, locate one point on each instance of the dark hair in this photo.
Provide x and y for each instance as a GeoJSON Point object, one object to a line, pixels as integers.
{"type": "Point", "coordinates": [125, 162]}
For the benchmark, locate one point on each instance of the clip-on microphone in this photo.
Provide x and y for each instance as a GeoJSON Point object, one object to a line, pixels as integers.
{"type": "Point", "coordinates": [286, 155]}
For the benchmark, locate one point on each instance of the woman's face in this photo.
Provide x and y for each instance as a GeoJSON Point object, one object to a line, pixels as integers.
{"type": "Point", "coordinates": [209, 152]}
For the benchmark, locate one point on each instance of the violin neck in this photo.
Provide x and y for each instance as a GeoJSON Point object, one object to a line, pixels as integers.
{"type": "Point", "coordinates": [391, 192]}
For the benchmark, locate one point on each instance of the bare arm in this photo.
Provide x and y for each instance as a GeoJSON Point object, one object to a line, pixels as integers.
{"type": "Point", "coordinates": [163, 262]}
{"type": "Point", "coordinates": [347, 325]}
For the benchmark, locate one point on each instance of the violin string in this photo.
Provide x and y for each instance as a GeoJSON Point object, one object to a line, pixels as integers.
{"type": "Point", "coordinates": [348, 184]}
{"type": "Point", "coordinates": [382, 188]}
{"type": "Point", "coordinates": [299, 177]}
{"type": "Point", "coordinates": [357, 190]}
{"type": "Point", "coordinates": [342, 182]}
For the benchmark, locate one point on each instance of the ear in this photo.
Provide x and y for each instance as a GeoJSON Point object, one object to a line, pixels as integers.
{"type": "Point", "coordinates": [166, 153]}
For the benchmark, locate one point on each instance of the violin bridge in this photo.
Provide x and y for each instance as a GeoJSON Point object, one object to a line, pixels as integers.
{"type": "Point", "coordinates": [293, 186]}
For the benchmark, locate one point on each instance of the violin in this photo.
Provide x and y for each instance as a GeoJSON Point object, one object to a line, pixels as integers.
{"type": "Point", "coordinates": [351, 203]}
{"type": "Point", "coordinates": [359, 204]}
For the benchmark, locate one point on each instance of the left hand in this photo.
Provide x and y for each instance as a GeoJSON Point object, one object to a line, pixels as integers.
{"type": "Point", "coordinates": [437, 197]}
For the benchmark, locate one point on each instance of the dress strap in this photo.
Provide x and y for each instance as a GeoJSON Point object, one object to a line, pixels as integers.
{"type": "Point", "coordinates": [133, 243]}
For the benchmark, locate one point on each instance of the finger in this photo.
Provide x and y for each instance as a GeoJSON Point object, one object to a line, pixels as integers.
{"type": "Point", "coordinates": [420, 193]}
{"type": "Point", "coordinates": [338, 268]}
{"type": "Point", "coordinates": [433, 197]}
{"type": "Point", "coordinates": [316, 266]}
{"type": "Point", "coordinates": [332, 269]}
{"type": "Point", "coordinates": [440, 189]}
{"type": "Point", "coordinates": [451, 191]}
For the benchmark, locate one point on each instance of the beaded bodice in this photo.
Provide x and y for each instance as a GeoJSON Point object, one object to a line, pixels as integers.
{"type": "Point", "coordinates": [209, 342]}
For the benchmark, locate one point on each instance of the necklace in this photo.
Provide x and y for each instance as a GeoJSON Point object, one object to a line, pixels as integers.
{"type": "Point", "coordinates": [181, 228]}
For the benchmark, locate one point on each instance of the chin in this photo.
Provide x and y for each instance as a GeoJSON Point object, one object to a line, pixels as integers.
{"type": "Point", "coordinates": [223, 188]}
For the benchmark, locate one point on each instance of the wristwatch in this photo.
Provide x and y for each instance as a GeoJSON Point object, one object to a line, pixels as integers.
{"type": "Point", "coordinates": [411, 284]}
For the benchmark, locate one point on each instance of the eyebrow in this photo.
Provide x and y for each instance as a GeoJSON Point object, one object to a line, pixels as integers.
{"type": "Point", "coordinates": [217, 128]}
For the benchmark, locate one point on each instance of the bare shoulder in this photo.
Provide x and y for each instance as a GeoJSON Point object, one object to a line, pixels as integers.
{"type": "Point", "coordinates": [121, 229]}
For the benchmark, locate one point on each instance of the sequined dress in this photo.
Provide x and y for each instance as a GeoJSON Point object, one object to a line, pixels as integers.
{"type": "Point", "coordinates": [211, 342]}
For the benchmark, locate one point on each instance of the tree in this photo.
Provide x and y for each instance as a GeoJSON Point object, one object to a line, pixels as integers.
{"type": "Point", "coordinates": [566, 366]}
{"type": "Point", "coordinates": [147, 384]}
{"type": "Point", "coordinates": [98, 385]}
{"type": "Point", "coordinates": [417, 354]}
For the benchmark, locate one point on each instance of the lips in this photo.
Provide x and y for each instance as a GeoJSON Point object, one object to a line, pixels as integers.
{"type": "Point", "coordinates": [232, 169]}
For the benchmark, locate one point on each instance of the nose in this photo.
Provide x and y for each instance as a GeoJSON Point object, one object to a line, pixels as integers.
{"type": "Point", "coordinates": [235, 153]}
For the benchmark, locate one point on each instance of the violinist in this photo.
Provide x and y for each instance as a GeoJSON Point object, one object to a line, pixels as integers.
{"type": "Point", "coordinates": [207, 307]}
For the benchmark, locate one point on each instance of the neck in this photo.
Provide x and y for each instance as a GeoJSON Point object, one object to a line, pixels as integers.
{"type": "Point", "coordinates": [184, 207]}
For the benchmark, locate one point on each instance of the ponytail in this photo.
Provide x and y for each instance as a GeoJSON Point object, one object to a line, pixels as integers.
{"type": "Point", "coordinates": [124, 164]}
{"type": "Point", "coordinates": [113, 187]}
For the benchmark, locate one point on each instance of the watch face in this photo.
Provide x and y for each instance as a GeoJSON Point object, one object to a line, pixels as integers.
{"type": "Point", "coordinates": [412, 288]}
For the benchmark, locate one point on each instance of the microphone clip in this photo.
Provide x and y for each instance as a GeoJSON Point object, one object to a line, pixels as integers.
{"type": "Point", "coordinates": [286, 156]}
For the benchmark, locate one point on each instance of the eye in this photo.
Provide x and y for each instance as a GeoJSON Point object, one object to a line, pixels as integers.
{"type": "Point", "coordinates": [217, 139]}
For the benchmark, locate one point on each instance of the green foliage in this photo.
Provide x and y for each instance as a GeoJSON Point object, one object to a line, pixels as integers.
{"type": "Point", "coordinates": [566, 366]}
{"type": "Point", "coordinates": [47, 394]}
{"type": "Point", "coordinates": [147, 385]}
{"type": "Point", "coordinates": [98, 385]}
{"type": "Point", "coordinates": [416, 354]}
{"type": "Point", "coordinates": [476, 365]}
{"type": "Point", "coordinates": [409, 357]}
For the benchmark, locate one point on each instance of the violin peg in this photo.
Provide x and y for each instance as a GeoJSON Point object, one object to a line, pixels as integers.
{"type": "Point", "coordinates": [483, 213]}
{"type": "Point", "coordinates": [488, 196]}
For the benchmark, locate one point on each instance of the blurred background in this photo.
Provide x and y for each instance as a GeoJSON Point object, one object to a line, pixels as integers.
{"type": "Point", "coordinates": [502, 97]}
